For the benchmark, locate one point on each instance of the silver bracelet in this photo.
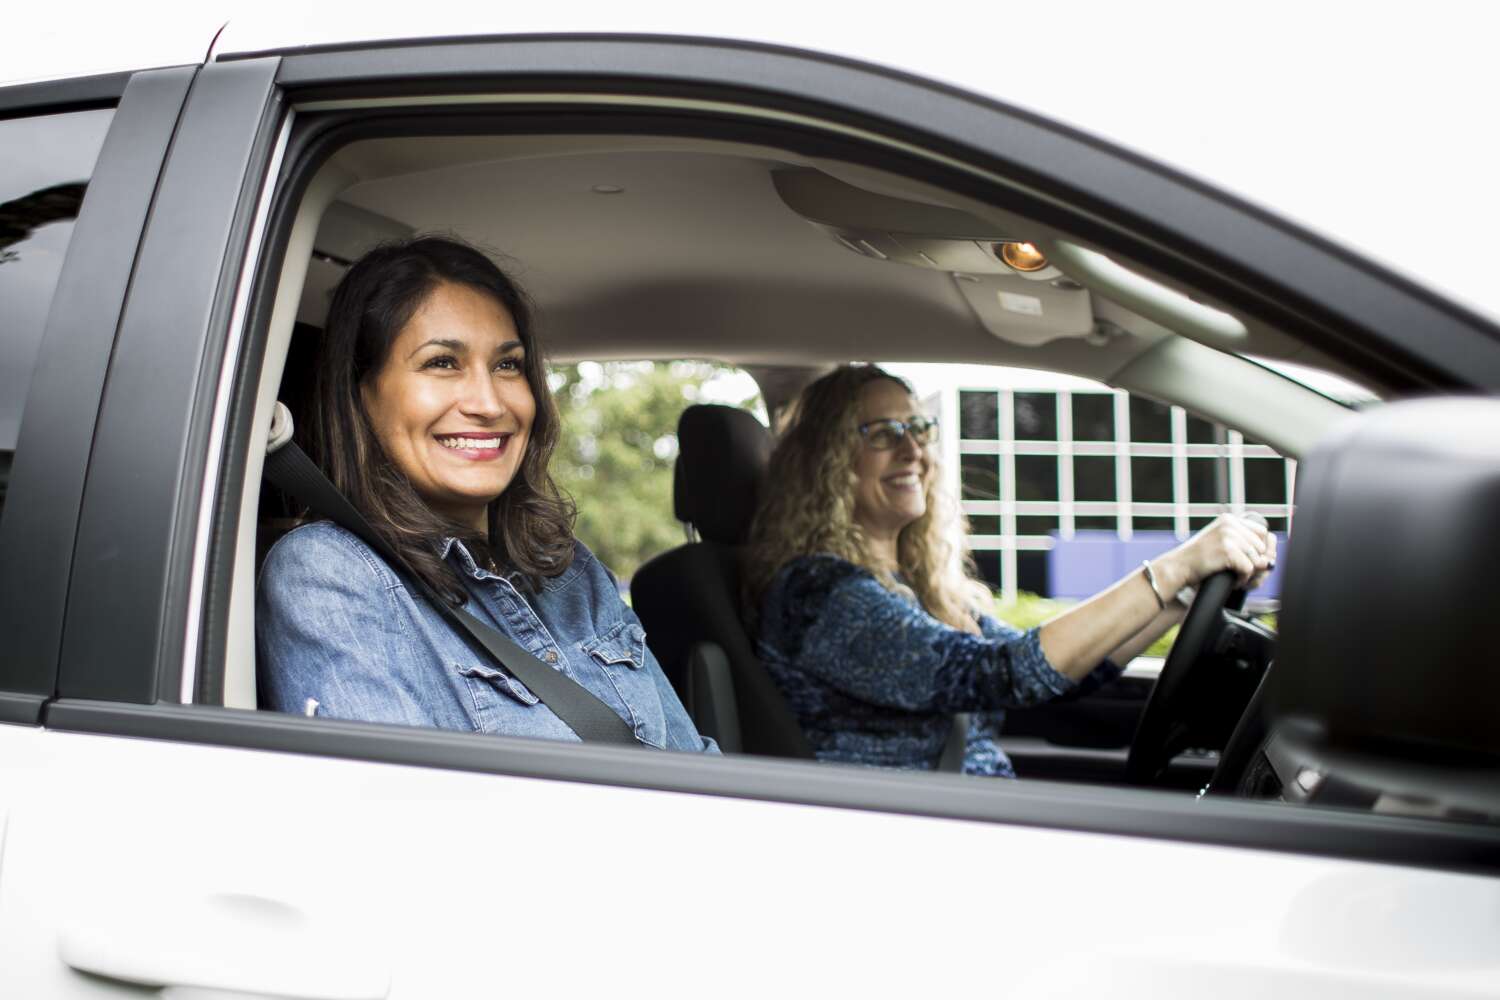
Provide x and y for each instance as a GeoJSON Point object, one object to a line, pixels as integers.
{"type": "Point", "coordinates": [1161, 602]}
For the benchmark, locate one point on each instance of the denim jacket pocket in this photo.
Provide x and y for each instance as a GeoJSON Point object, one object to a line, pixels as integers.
{"type": "Point", "coordinates": [623, 643]}
{"type": "Point", "coordinates": [501, 704]}
{"type": "Point", "coordinates": [621, 651]}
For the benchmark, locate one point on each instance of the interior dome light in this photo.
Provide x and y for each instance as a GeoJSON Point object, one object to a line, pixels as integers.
{"type": "Point", "coordinates": [1021, 256]}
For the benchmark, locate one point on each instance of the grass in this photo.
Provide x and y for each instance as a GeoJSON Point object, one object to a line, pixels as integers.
{"type": "Point", "coordinates": [1030, 610]}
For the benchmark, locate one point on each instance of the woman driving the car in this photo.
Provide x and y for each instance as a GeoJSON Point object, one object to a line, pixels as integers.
{"type": "Point", "coordinates": [869, 617]}
{"type": "Point", "coordinates": [433, 417]}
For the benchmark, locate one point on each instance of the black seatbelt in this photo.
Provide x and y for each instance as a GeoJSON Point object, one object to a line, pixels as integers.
{"type": "Point", "coordinates": [952, 759]}
{"type": "Point", "coordinates": [289, 468]}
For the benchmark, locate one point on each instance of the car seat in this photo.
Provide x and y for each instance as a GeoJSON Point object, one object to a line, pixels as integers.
{"type": "Point", "coordinates": [689, 597]}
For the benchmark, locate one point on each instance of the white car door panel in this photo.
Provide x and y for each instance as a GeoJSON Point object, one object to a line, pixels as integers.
{"type": "Point", "coordinates": [462, 884]}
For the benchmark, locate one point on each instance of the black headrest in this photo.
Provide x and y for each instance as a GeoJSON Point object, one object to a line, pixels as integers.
{"type": "Point", "coordinates": [1388, 631]}
{"type": "Point", "coordinates": [721, 459]}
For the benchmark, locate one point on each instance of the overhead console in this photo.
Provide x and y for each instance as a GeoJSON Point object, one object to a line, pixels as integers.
{"type": "Point", "coordinates": [1016, 293]}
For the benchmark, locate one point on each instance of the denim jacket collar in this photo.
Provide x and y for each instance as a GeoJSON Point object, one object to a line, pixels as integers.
{"type": "Point", "coordinates": [453, 550]}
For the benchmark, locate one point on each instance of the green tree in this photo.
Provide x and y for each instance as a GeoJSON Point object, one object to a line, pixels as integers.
{"type": "Point", "coordinates": [618, 447]}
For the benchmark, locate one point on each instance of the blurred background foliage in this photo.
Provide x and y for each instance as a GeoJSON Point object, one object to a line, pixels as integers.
{"type": "Point", "coordinates": [619, 444]}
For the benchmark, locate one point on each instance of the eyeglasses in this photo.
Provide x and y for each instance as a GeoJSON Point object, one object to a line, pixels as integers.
{"type": "Point", "coordinates": [883, 435]}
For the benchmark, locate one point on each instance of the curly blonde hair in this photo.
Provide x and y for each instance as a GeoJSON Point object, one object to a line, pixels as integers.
{"type": "Point", "coordinates": [810, 509]}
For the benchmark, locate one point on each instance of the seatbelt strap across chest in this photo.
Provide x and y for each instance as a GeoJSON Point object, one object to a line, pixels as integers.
{"type": "Point", "coordinates": [952, 759]}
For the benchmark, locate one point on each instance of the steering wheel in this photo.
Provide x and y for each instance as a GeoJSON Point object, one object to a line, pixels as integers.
{"type": "Point", "coordinates": [1164, 724]}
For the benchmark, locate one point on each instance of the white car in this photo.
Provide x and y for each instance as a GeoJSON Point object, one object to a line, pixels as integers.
{"type": "Point", "coordinates": [168, 234]}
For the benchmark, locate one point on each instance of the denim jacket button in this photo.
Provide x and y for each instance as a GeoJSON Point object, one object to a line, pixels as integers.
{"type": "Point", "coordinates": [551, 656]}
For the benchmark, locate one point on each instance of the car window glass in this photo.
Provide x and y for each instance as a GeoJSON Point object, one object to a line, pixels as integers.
{"type": "Point", "coordinates": [45, 165]}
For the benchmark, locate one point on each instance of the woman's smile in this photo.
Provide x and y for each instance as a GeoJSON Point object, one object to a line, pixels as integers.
{"type": "Point", "coordinates": [475, 447]}
{"type": "Point", "coordinates": [904, 481]}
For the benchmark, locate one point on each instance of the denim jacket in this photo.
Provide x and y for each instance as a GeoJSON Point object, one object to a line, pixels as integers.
{"type": "Point", "coordinates": [338, 634]}
{"type": "Point", "coordinates": [874, 679]}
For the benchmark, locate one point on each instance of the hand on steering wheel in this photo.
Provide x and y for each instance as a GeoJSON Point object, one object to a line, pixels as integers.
{"type": "Point", "coordinates": [1229, 551]}
{"type": "Point", "coordinates": [1242, 546]}
{"type": "Point", "coordinates": [1159, 736]}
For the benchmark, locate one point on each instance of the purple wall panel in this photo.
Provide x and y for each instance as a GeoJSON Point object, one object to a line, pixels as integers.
{"type": "Point", "coordinates": [1092, 560]}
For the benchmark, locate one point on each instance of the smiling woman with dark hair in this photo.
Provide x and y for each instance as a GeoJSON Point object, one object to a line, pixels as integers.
{"type": "Point", "coordinates": [434, 419]}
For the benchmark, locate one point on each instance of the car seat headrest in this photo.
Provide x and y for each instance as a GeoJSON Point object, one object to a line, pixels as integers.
{"type": "Point", "coordinates": [722, 453]}
{"type": "Point", "coordinates": [1387, 633]}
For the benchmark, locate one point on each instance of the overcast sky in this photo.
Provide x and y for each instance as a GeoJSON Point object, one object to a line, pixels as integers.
{"type": "Point", "coordinates": [1372, 122]}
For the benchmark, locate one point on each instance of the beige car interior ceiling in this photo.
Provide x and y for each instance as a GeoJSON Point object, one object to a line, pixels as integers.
{"type": "Point", "coordinates": [697, 253]}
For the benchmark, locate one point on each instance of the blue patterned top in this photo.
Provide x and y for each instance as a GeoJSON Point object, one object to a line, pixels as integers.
{"type": "Point", "coordinates": [874, 679]}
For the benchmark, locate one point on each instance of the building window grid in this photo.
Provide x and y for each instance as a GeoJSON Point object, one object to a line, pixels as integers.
{"type": "Point", "coordinates": [1009, 540]}
{"type": "Point", "coordinates": [1181, 511]}
{"type": "Point", "coordinates": [1179, 473]}
{"type": "Point", "coordinates": [1123, 487]}
{"type": "Point", "coordinates": [1236, 471]}
{"type": "Point", "coordinates": [1064, 404]}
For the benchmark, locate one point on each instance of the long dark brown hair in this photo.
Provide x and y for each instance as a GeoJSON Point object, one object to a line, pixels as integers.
{"type": "Point", "coordinates": [530, 525]}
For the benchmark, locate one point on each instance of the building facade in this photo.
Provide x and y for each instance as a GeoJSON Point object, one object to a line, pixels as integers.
{"type": "Point", "coordinates": [1068, 483]}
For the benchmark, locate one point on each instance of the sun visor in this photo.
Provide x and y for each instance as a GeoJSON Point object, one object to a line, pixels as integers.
{"type": "Point", "coordinates": [886, 228]}
{"type": "Point", "coordinates": [1025, 301]}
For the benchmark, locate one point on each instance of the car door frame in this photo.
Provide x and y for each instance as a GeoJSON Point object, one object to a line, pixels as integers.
{"type": "Point", "coordinates": [142, 601]}
{"type": "Point", "coordinates": [58, 424]}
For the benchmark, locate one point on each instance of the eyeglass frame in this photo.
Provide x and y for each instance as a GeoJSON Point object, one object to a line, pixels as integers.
{"type": "Point", "coordinates": [907, 428]}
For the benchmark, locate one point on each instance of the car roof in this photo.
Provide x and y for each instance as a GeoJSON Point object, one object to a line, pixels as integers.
{"type": "Point", "coordinates": [1366, 129]}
